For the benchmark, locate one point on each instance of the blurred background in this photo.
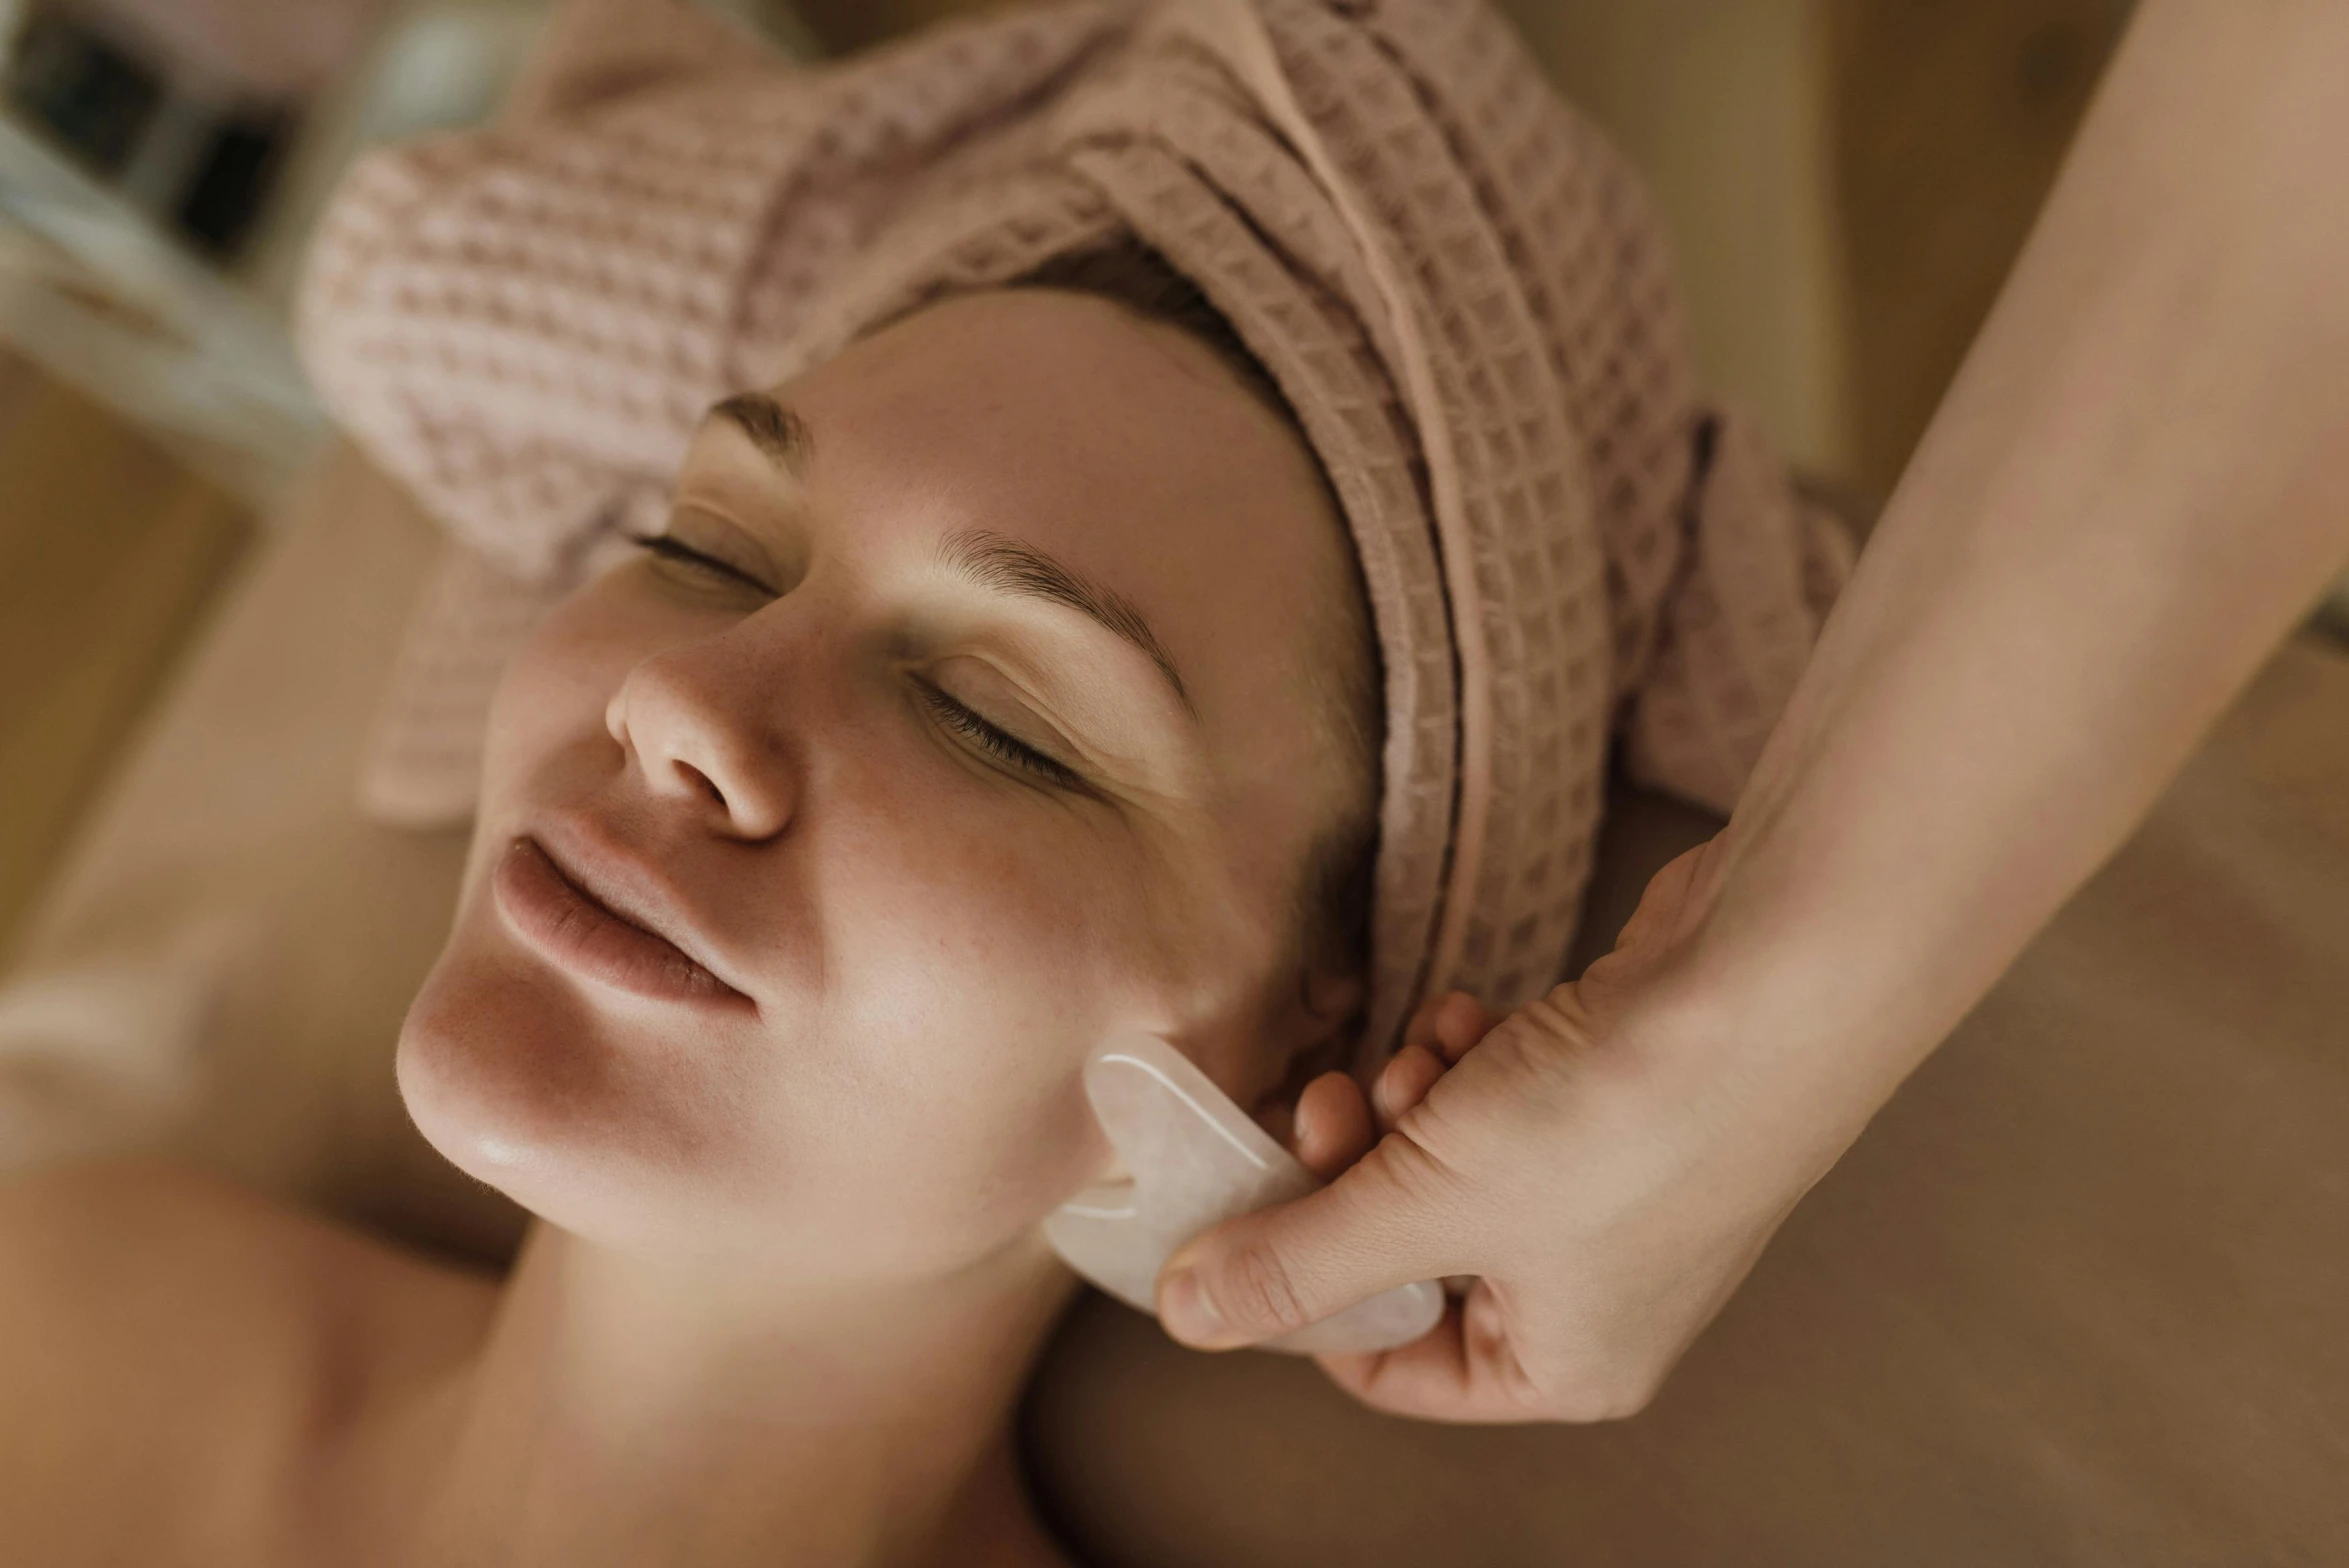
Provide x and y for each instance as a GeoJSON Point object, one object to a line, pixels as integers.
{"type": "Point", "coordinates": [1846, 181]}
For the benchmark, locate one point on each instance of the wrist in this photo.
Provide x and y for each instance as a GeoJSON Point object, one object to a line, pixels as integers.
{"type": "Point", "coordinates": [1799, 1025]}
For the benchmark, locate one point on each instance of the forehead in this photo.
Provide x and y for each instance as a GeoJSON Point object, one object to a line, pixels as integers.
{"type": "Point", "coordinates": [1118, 445]}
{"type": "Point", "coordinates": [1096, 422]}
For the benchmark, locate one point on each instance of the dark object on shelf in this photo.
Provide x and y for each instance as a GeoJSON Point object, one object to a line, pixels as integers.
{"type": "Point", "coordinates": [88, 92]}
{"type": "Point", "coordinates": [200, 157]}
{"type": "Point", "coordinates": [232, 179]}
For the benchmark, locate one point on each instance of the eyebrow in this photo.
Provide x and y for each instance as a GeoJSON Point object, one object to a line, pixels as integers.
{"type": "Point", "coordinates": [774, 429]}
{"type": "Point", "coordinates": [1008, 566]}
{"type": "Point", "coordinates": [989, 559]}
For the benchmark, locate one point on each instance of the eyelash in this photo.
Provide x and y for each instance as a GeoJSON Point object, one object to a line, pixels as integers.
{"type": "Point", "coordinates": [987, 737]}
{"type": "Point", "coordinates": [670, 548]}
{"type": "Point", "coordinates": [1003, 747]}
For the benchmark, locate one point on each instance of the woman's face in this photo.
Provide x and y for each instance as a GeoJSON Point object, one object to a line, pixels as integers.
{"type": "Point", "coordinates": [970, 716]}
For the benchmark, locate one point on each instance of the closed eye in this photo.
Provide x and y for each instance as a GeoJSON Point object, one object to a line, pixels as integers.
{"type": "Point", "coordinates": [1003, 747]}
{"type": "Point", "coordinates": [996, 742]}
{"type": "Point", "coordinates": [668, 547]}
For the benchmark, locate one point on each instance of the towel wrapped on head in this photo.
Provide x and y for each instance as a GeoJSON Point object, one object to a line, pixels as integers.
{"type": "Point", "coordinates": [1452, 280]}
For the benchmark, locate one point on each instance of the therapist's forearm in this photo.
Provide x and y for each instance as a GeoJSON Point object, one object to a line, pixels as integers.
{"type": "Point", "coordinates": [2138, 483]}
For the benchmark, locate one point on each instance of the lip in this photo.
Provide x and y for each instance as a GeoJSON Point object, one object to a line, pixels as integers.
{"type": "Point", "coordinates": [564, 910]}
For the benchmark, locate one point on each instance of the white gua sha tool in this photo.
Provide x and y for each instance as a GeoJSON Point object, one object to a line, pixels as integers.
{"type": "Point", "coordinates": [1197, 1160]}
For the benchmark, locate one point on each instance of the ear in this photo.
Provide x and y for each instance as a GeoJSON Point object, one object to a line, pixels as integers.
{"type": "Point", "coordinates": [1319, 1030]}
{"type": "Point", "coordinates": [1339, 999]}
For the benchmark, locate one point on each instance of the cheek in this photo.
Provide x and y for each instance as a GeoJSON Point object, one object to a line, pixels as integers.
{"type": "Point", "coordinates": [554, 693]}
{"type": "Point", "coordinates": [978, 944]}
{"type": "Point", "coordinates": [920, 1100]}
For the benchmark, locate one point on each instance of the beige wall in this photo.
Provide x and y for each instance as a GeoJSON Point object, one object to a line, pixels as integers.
{"type": "Point", "coordinates": [1723, 106]}
{"type": "Point", "coordinates": [109, 552]}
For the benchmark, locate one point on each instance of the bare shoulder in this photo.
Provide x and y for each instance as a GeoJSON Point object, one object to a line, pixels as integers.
{"type": "Point", "coordinates": [169, 1335]}
{"type": "Point", "coordinates": [113, 1224]}
{"type": "Point", "coordinates": [147, 1248]}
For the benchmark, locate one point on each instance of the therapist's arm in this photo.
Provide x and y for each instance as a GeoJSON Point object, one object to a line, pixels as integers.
{"type": "Point", "coordinates": [2138, 483]}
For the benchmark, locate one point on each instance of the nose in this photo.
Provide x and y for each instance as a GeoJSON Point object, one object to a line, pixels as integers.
{"type": "Point", "coordinates": [704, 740]}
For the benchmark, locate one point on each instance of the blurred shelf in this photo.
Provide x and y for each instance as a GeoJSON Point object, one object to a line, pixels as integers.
{"type": "Point", "coordinates": [97, 296]}
{"type": "Point", "coordinates": [111, 550]}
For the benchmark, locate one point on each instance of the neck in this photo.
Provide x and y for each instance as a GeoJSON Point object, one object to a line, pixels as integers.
{"type": "Point", "coordinates": [626, 1410]}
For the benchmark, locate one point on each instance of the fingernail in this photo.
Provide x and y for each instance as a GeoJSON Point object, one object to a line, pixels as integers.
{"type": "Point", "coordinates": [1188, 1315]}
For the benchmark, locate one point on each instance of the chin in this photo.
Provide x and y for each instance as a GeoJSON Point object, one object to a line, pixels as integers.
{"type": "Point", "coordinates": [518, 1085]}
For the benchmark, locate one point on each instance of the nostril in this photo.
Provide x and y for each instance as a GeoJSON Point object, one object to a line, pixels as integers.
{"type": "Point", "coordinates": [687, 743]}
{"type": "Point", "coordinates": [708, 785]}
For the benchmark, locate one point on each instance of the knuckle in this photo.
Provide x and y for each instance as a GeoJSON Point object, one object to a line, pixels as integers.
{"type": "Point", "coordinates": [1466, 1131]}
{"type": "Point", "coordinates": [1407, 1163]}
{"type": "Point", "coordinates": [1259, 1291]}
{"type": "Point", "coordinates": [1568, 1050]}
{"type": "Point", "coordinates": [1541, 1048]}
{"type": "Point", "coordinates": [1418, 1180]}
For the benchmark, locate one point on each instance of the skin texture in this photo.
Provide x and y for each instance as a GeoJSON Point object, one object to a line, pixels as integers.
{"type": "Point", "coordinates": [930, 938]}
{"type": "Point", "coordinates": [787, 1277]}
{"type": "Point", "coordinates": [2136, 487]}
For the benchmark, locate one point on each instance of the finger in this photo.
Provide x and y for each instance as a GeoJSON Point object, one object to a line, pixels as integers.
{"type": "Point", "coordinates": [1458, 1023]}
{"type": "Point", "coordinates": [1403, 1083]}
{"type": "Point", "coordinates": [1462, 1370]}
{"type": "Point", "coordinates": [1426, 1379]}
{"type": "Point", "coordinates": [1383, 1223]}
{"type": "Point", "coordinates": [1333, 1125]}
{"type": "Point", "coordinates": [1420, 1029]}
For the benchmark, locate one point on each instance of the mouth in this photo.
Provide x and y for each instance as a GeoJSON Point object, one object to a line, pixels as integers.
{"type": "Point", "coordinates": [554, 913]}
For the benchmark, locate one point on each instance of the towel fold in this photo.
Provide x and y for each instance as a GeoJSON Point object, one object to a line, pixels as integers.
{"type": "Point", "coordinates": [1451, 277]}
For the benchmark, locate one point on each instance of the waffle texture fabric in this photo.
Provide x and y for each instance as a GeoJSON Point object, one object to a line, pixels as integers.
{"type": "Point", "coordinates": [1451, 277]}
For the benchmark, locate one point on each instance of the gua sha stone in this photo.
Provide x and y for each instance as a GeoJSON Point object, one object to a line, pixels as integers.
{"type": "Point", "coordinates": [1197, 1160]}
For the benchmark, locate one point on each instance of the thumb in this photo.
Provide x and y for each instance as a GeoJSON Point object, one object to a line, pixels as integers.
{"type": "Point", "coordinates": [1261, 1275]}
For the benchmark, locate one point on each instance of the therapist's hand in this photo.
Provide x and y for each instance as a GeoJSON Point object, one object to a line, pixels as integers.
{"type": "Point", "coordinates": [1596, 1161]}
{"type": "Point", "coordinates": [1989, 711]}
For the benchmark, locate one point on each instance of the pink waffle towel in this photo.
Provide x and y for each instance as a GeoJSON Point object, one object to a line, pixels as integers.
{"type": "Point", "coordinates": [1453, 279]}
